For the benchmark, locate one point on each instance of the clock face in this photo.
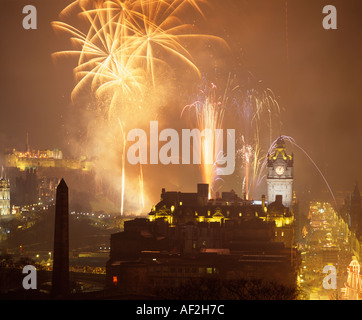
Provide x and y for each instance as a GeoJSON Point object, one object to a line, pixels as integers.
{"type": "Point", "coordinates": [279, 170]}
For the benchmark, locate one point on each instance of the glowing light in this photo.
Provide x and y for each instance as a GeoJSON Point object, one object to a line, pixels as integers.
{"type": "Point", "coordinates": [209, 114]}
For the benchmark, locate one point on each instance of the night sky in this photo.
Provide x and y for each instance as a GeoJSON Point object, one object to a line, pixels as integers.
{"type": "Point", "coordinates": [318, 84]}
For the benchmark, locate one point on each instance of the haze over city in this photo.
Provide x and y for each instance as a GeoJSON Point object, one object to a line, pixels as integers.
{"type": "Point", "coordinates": [237, 121]}
{"type": "Point", "coordinates": [312, 72]}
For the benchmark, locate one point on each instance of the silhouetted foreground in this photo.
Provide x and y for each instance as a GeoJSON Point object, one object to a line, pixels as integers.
{"type": "Point", "coordinates": [216, 289]}
{"type": "Point", "coordinates": [195, 289]}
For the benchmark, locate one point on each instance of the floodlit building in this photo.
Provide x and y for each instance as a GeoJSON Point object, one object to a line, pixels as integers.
{"type": "Point", "coordinates": [353, 285]}
{"type": "Point", "coordinates": [44, 159]}
{"type": "Point", "coordinates": [4, 197]}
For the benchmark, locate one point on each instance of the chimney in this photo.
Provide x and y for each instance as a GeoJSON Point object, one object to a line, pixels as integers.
{"type": "Point", "coordinates": [202, 193]}
{"type": "Point", "coordinates": [60, 276]}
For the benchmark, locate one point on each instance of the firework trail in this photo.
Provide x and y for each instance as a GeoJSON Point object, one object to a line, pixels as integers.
{"type": "Point", "coordinates": [209, 115]}
{"type": "Point", "coordinates": [292, 141]}
{"type": "Point", "coordinates": [142, 197]}
{"type": "Point", "coordinates": [123, 164]}
{"type": "Point", "coordinates": [257, 112]}
{"type": "Point", "coordinates": [251, 160]}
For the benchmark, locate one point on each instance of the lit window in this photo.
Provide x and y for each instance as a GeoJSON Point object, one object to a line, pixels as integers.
{"type": "Point", "coordinates": [115, 280]}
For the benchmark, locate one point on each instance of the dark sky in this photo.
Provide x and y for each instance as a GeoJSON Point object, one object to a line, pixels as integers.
{"type": "Point", "coordinates": [319, 87]}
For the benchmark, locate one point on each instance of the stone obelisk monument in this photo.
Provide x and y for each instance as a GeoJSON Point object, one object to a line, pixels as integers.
{"type": "Point", "coordinates": [60, 276]}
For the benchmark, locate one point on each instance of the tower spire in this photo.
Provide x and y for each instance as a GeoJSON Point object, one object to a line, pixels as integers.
{"type": "Point", "coordinates": [60, 276]}
{"type": "Point", "coordinates": [280, 174]}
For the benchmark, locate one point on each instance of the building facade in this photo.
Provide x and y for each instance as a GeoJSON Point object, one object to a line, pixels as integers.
{"type": "Point", "coordinates": [189, 236]}
{"type": "Point", "coordinates": [4, 197]}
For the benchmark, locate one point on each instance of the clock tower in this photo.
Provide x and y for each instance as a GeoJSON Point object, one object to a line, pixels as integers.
{"type": "Point", "coordinates": [280, 174]}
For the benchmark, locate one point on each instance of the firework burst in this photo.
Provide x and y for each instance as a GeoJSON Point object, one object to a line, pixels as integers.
{"type": "Point", "coordinates": [128, 43]}
{"type": "Point", "coordinates": [125, 50]}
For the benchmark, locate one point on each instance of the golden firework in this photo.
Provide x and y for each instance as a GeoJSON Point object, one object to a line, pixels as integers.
{"type": "Point", "coordinates": [128, 42]}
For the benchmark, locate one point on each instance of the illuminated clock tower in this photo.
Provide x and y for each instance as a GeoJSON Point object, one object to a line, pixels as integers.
{"type": "Point", "coordinates": [280, 174]}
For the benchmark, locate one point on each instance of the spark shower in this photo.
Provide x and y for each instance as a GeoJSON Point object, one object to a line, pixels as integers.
{"type": "Point", "coordinates": [129, 53]}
